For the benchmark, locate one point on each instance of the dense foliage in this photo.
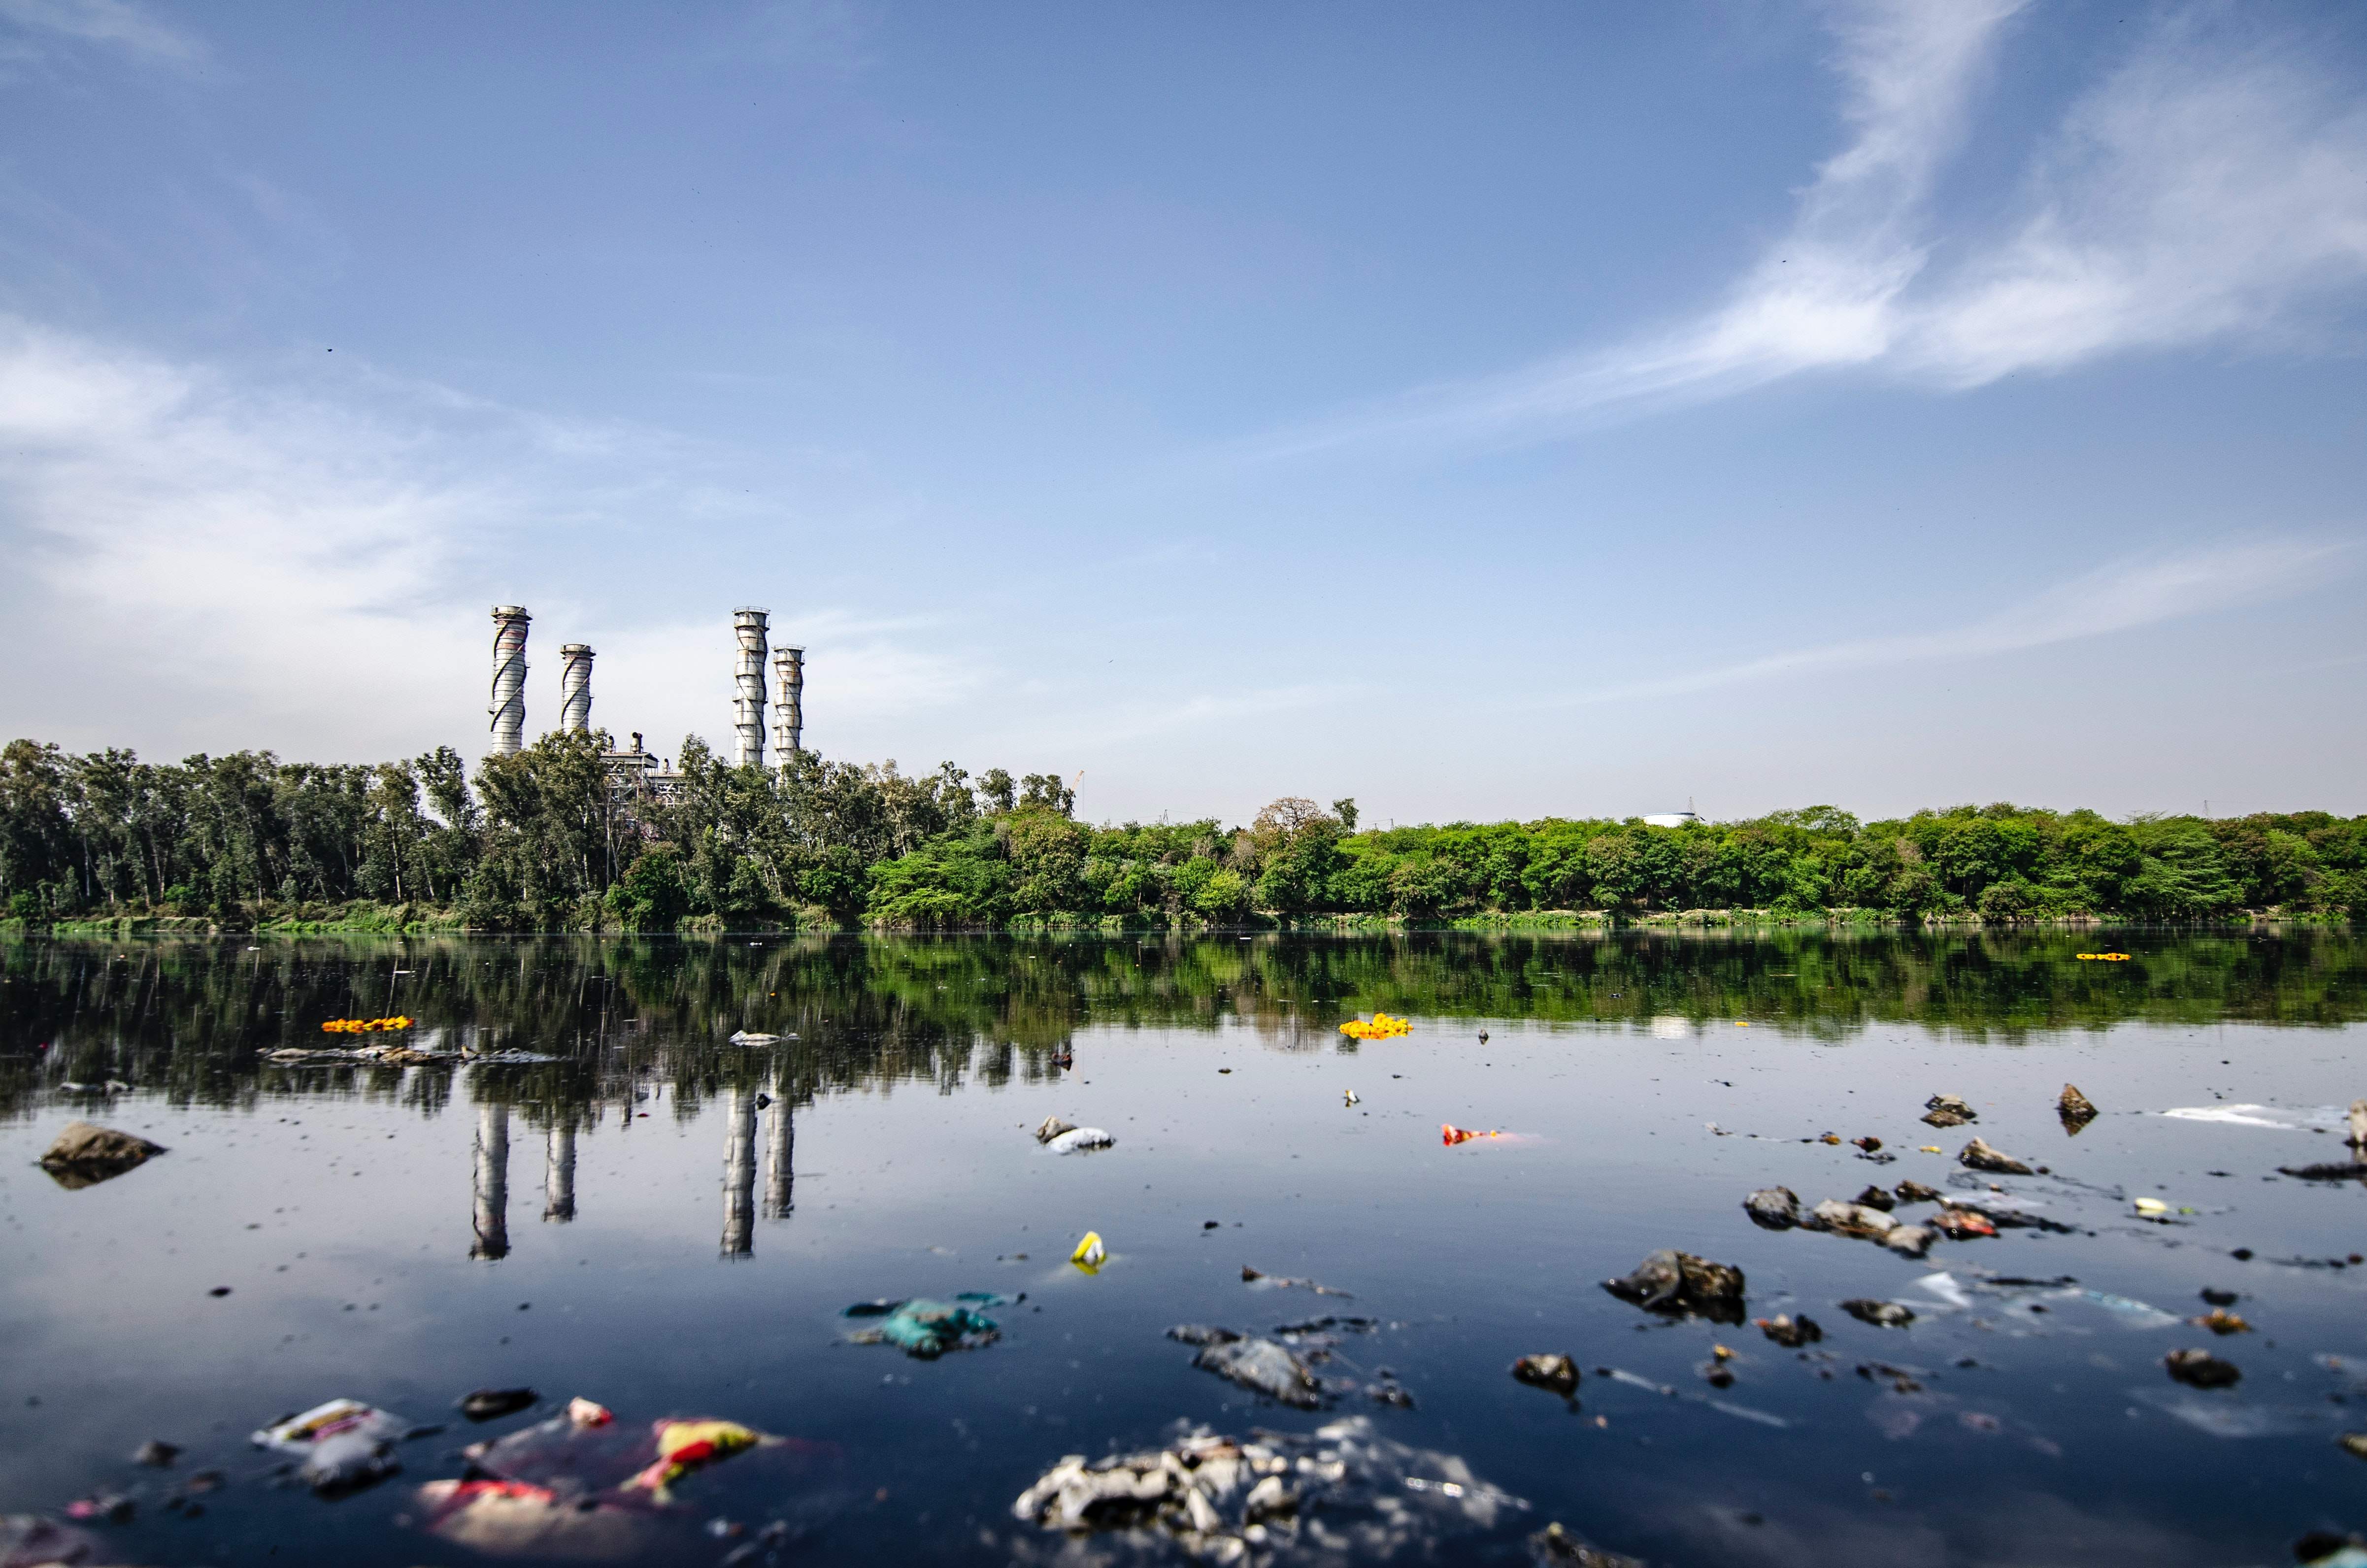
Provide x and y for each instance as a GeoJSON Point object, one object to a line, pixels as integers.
{"type": "Point", "coordinates": [535, 841]}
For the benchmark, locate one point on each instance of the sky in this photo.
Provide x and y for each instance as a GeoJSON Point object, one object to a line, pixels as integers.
{"type": "Point", "coordinates": [1539, 409]}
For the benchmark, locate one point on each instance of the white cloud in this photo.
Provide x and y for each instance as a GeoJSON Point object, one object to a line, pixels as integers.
{"type": "Point", "coordinates": [2201, 191]}
{"type": "Point", "coordinates": [196, 564]}
{"type": "Point", "coordinates": [116, 24]}
{"type": "Point", "coordinates": [2122, 596]}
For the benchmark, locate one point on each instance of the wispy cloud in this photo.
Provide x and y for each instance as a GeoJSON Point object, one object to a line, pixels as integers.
{"type": "Point", "coordinates": [113, 24]}
{"type": "Point", "coordinates": [2122, 596]}
{"type": "Point", "coordinates": [201, 560]}
{"type": "Point", "coordinates": [2200, 191]}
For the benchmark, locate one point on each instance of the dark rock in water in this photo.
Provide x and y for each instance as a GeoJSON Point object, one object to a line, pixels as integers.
{"type": "Point", "coordinates": [1547, 1370]}
{"type": "Point", "coordinates": [1916, 1192]}
{"type": "Point", "coordinates": [2218, 1297]}
{"type": "Point", "coordinates": [1202, 1334]}
{"type": "Point", "coordinates": [1263, 1367]}
{"type": "Point", "coordinates": [1675, 1283]}
{"type": "Point", "coordinates": [1774, 1208]}
{"type": "Point", "coordinates": [2344, 1171]}
{"type": "Point", "coordinates": [1948, 1110]}
{"type": "Point", "coordinates": [490, 1404]}
{"type": "Point", "coordinates": [1874, 1197]}
{"type": "Point", "coordinates": [1977, 1155]}
{"type": "Point", "coordinates": [157, 1455]}
{"type": "Point", "coordinates": [1554, 1544]}
{"type": "Point", "coordinates": [2202, 1370]}
{"type": "Point", "coordinates": [2319, 1545]}
{"type": "Point", "coordinates": [1849, 1220]}
{"type": "Point", "coordinates": [87, 1153]}
{"type": "Point", "coordinates": [2076, 1110]}
{"type": "Point", "coordinates": [1881, 1315]}
{"type": "Point", "coordinates": [1790, 1332]}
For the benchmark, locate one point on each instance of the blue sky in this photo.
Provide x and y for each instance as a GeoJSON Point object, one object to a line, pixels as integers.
{"type": "Point", "coordinates": [1540, 410]}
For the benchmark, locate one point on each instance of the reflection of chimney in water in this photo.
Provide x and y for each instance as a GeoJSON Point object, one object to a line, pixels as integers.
{"type": "Point", "coordinates": [781, 1142]}
{"type": "Point", "coordinates": [493, 1182]}
{"type": "Point", "coordinates": [558, 1172]}
{"type": "Point", "coordinates": [739, 1174]}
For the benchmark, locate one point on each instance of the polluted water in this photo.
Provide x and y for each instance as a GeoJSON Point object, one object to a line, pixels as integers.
{"type": "Point", "coordinates": [1073, 1251]}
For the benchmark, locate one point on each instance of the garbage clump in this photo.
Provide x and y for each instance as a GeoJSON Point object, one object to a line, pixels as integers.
{"type": "Point", "coordinates": [747, 1037]}
{"type": "Point", "coordinates": [1090, 1254]}
{"type": "Point", "coordinates": [29, 1540]}
{"type": "Point", "coordinates": [1077, 1138]}
{"type": "Point", "coordinates": [1948, 1110]}
{"type": "Point", "coordinates": [1915, 1192]}
{"type": "Point", "coordinates": [363, 1026]}
{"type": "Point", "coordinates": [579, 1485]}
{"type": "Point", "coordinates": [2355, 1444]}
{"type": "Point", "coordinates": [491, 1405]}
{"type": "Point", "coordinates": [1874, 1197]}
{"type": "Point", "coordinates": [1865, 1223]}
{"type": "Point", "coordinates": [927, 1329]}
{"type": "Point", "coordinates": [1881, 1315]}
{"type": "Point", "coordinates": [344, 1443]}
{"type": "Point", "coordinates": [1252, 1277]}
{"type": "Point", "coordinates": [1337, 1493]}
{"type": "Point", "coordinates": [1790, 1332]}
{"type": "Point", "coordinates": [2201, 1369]}
{"type": "Point", "coordinates": [1674, 1282]}
{"type": "Point", "coordinates": [1201, 1333]}
{"type": "Point", "coordinates": [2076, 1110]}
{"type": "Point", "coordinates": [2221, 1322]}
{"type": "Point", "coordinates": [1774, 1208]}
{"type": "Point", "coordinates": [1977, 1155]}
{"type": "Point", "coordinates": [1450, 1135]}
{"type": "Point", "coordinates": [1053, 1127]}
{"type": "Point", "coordinates": [1961, 1224]}
{"type": "Point", "coordinates": [1381, 1027]}
{"type": "Point", "coordinates": [87, 1153]}
{"type": "Point", "coordinates": [1558, 1373]}
{"type": "Point", "coordinates": [1263, 1367]}
{"type": "Point", "coordinates": [1554, 1544]}
{"type": "Point", "coordinates": [156, 1454]}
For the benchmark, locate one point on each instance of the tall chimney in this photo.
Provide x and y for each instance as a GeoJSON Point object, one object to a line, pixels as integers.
{"type": "Point", "coordinates": [788, 702]}
{"type": "Point", "coordinates": [575, 687]}
{"type": "Point", "coordinates": [509, 707]}
{"type": "Point", "coordinates": [748, 707]}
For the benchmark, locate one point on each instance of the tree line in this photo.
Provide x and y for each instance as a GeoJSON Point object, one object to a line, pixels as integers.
{"type": "Point", "coordinates": [541, 841]}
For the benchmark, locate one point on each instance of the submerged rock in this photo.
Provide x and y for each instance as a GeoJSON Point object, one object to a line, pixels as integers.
{"type": "Point", "coordinates": [1874, 1197]}
{"type": "Point", "coordinates": [1977, 1155]}
{"type": "Point", "coordinates": [1790, 1332]}
{"type": "Point", "coordinates": [1558, 1373]}
{"type": "Point", "coordinates": [1554, 1544]}
{"type": "Point", "coordinates": [1881, 1315]}
{"type": "Point", "coordinates": [1674, 1282]}
{"type": "Point", "coordinates": [1263, 1367]}
{"type": "Point", "coordinates": [1948, 1110]}
{"type": "Point", "coordinates": [1774, 1208]}
{"type": "Point", "coordinates": [87, 1153]}
{"type": "Point", "coordinates": [2202, 1370]}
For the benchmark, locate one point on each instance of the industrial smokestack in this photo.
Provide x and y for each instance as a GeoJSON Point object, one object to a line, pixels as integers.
{"type": "Point", "coordinates": [788, 702]}
{"type": "Point", "coordinates": [575, 687]}
{"type": "Point", "coordinates": [509, 707]}
{"type": "Point", "coordinates": [748, 707]}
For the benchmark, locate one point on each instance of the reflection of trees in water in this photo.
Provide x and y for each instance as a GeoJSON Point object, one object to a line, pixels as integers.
{"type": "Point", "coordinates": [190, 1020]}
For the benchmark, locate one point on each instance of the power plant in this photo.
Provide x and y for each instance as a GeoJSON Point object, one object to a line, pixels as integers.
{"type": "Point", "coordinates": [748, 705]}
{"type": "Point", "coordinates": [509, 707]}
{"type": "Point", "coordinates": [635, 771]}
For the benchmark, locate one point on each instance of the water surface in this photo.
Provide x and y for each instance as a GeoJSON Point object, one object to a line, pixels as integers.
{"type": "Point", "coordinates": [626, 1222]}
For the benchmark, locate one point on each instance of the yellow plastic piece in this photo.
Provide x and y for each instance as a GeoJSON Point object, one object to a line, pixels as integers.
{"type": "Point", "coordinates": [1090, 1254]}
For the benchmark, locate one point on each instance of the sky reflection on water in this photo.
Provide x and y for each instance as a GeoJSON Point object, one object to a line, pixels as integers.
{"type": "Point", "coordinates": [671, 1224]}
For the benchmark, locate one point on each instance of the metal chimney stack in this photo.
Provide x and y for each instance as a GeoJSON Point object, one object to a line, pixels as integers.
{"type": "Point", "coordinates": [575, 687]}
{"type": "Point", "coordinates": [748, 707]}
{"type": "Point", "coordinates": [789, 702]}
{"type": "Point", "coordinates": [509, 707]}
